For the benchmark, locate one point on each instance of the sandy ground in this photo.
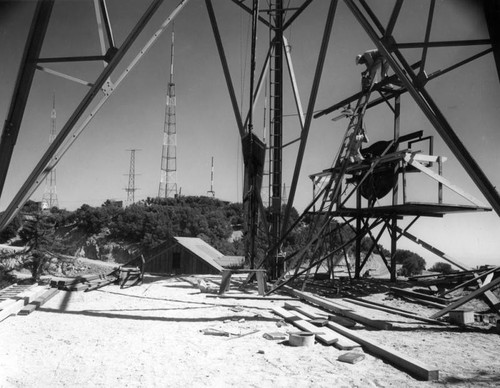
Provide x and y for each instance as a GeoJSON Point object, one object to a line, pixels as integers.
{"type": "Point", "coordinates": [151, 336]}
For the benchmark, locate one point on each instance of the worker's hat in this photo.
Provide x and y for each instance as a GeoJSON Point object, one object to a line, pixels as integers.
{"type": "Point", "coordinates": [358, 59]}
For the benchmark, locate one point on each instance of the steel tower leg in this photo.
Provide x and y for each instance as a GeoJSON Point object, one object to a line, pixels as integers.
{"type": "Point", "coordinates": [395, 191]}
{"type": "Point", "coordinates": [276, 134]}
{"type": "Point", "coordinates": [31, 53]}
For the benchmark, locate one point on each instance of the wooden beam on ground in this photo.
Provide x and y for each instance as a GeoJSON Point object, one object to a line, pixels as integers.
{"type": "Point", "coordinates": [419, 295]}
{"type": "Point", "coordinates": [24, 298]}
{"type": "Point", "coordinates": [100, 284]}
{"type": "Point", "coordinates": [327, 336]}
{"type": "Point", "coordinates": [6, 302]}
{"type": "Point", "coordinates": [346, 322]}
{"type": "Point", "coordinates": [470, 281]}
{"type": "Point", "coordinates": [289, 316]}
{"type": "Point", "coordinates": [480, 291]}
{"type": "Point", "coordinates": [28, 309]}
{"type": "Point", "coordinates": [308, 312]}
{"type": "Point", "coordinates": [424, 302]}
{"type": "Point", "coordinates": [249, 297]}
{"type": "Point", "coordinates": [40, 301]}
{"type": "Point", "coordinates": [391, 310]}
{"type": "Point", "coordinates": [488, 296]}
{"type": "Point", "coordinates": [15, 289]}
{"type": "Point", "coordinates": [342, 343]}
{"type": "Point", "coordinates": [338, 309]}
{"type": "Point", "coordinates": [12, 309]}
{"type": "Point", "coordinates": [408, 364]}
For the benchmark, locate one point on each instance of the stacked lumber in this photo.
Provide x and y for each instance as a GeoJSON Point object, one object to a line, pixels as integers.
{"type": "Point", "coordinates": [38, 302]}
{"type": "Point", "coordinates": [302, 317]}
{"type": "Point", "coordinates": [400, 360]}
{"type": "Point", "coordinates": [13, 305]}
{"type": "Point", "coordinates": [13, 290]}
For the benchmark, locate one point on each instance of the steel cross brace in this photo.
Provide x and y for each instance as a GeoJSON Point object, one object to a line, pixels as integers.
{"type": "Point", "coordinates": [50, 157]}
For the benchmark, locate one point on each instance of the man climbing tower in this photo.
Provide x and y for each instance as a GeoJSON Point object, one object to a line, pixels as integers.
{"type": "Point", "coordinates": [373, 61]}
{"type": "Point", "coordinates": [357, 139]}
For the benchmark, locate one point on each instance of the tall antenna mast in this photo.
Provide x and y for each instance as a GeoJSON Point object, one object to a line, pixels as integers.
{"type": "Point", "coordinates": [49, 199]}
{"type": "Point", "coordinates": [131, 179]}
{"type": "Point", "coordinates": [211, 191]}
{"type": "Point", "coordinates": [168, 175]}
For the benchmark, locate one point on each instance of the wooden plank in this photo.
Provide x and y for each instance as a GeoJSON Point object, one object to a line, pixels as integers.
{"type": "Point", "coordinates": [343, 342]}
{"type": "Point", "coordinates": [338, 309]}
{"type": "Point", "coordinates": [473, 280]}
{"type": "Point", "coordinates": [100, 284]}
{"type": "Point", "coordinates": [39, 301]}
{"type": "Point", "coordinates": [46, 296]}
{"type": "Point", "coordinates": [424, 302]}
{"type": "Point", "coordinates": [240, 271]}
{"type": "Point", "coordinates": [24, 298]}
{"type": "Point", "coordinates": [480, 291]}
{"type": "Point", "coordinates": [12, 309]}
{"type": "Point", "coordinates": [327, 336]}
{"type": "Point", "coordinates": [28, 309]}
{"type": "Point", "coordinates": [300, 316]}
{"type": "Point", "coordinates": [261, 282]}
{"type": "Point", "coordinates": [488, 296]}
{"type": "Point", "coordinates": [346, 322]}
{"type": "Point", "coordinates": [408, 364]}
{"type": "Point", "coordinates": [78, 287]}
{"type": "Point", "coordinates": [6, 302]}
{"type": "Point", "coordinates": [419, 295]}
{"type": "Point", "coordinates": [407, 314]}
{"type": "Point", "coordinates": [249, 297]}
{"type": "Point", "coordinates": [226, 281]}
{"type": "Point", "coordinates": [12, 291]}
{"type": "Point", "coordinates": [289, 316]}
{"type": "Point", "coordinates": [308, 312]}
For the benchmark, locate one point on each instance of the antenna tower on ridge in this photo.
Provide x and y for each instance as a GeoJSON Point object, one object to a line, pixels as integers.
{"type": "Point", "coordinates": [211, 191]}
{"type": "Point", "coordinates": [131, 189]}
{"type": "Point", "coordinates": [168, 174]}
{"type": "Point", "coordinates": [49, 199]}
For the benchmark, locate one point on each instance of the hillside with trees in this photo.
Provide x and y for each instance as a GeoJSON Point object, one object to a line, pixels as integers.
{"type": "Point", "coordinates": [115, 234]}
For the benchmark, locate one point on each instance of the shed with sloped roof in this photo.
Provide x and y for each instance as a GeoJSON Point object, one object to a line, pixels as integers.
{"type": "Point", "coordinates": [183, 255]}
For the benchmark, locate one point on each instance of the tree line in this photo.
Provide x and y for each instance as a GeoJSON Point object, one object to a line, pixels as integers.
{"type": "Point", "coordinates": [150, 222]}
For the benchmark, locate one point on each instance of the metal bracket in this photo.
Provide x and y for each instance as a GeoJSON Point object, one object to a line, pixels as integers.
{"type": "Point", "coordinates": [108, 87]}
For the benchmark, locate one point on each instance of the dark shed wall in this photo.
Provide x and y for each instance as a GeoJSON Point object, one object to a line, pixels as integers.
{"type": "Point", "coordinates": [164, 260]}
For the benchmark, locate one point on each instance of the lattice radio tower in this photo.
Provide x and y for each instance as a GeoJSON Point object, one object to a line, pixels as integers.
{"type": "Point", "coordinates": [211, 192]}
{"type": "Point", "coordinates": [131, 189]}
{"type": "Point", "coordinates": [49, 199]}
{"type": "Point", "coordinates": [168, 176]}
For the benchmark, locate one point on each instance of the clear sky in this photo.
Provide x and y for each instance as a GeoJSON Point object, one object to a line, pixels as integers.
{"type": "Point", "coordinates": [95, 168]}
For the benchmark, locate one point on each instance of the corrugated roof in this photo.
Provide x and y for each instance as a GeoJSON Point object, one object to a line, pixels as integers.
{"type": "Point", "coordinates": [201, 249]}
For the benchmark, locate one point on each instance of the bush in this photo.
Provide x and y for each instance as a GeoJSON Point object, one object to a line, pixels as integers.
{"type": "Point", "coordinates": [442, 267]}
